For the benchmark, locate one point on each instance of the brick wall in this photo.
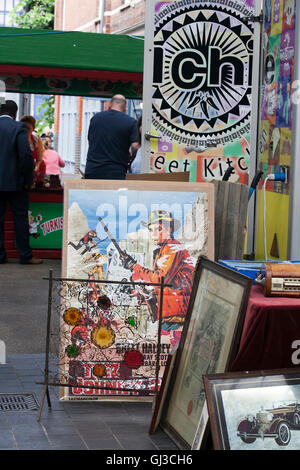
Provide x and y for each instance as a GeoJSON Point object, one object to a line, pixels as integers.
{"type": "Point", "coordinates": [58, 14]}
{"type": "Point", "coordinates": [117, 19]}
{"type": "Point", "coordinates": [77, 13]}
{"type": "Point", "coordinates": [126, 19]}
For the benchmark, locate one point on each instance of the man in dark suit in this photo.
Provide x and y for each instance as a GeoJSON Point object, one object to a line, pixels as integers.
{"type": "Point", "coordinates": [16, 176]}
{"type": "Point", "coordinates": [111, 134]}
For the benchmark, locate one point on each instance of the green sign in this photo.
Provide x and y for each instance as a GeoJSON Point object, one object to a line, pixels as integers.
{"type": "Point", "coordinates": [45, 225]}
{"type": "Point", "coordinates": [72, 87]}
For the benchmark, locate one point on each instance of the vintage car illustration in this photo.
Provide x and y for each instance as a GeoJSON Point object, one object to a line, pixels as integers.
{"type": "Point", "coordinates": [276, 423]}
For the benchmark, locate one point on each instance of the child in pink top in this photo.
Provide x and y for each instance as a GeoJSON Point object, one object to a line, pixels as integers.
{"type": "Point", "coordinates": [51, 158]}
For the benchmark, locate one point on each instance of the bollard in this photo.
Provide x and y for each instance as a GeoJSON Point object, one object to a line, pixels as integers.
{"type": "Point", "coordinates": [2, 352]}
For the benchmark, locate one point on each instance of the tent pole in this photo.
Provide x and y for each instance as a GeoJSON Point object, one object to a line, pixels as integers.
{"type": "Point", "coordinates": [78, 136]}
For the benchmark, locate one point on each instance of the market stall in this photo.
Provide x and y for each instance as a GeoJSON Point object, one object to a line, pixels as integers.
{"type": "Point", "coordinates": [146, 308]}
{"type": "Point", "coordinates": [45, 224]}
{"type": "Point", "coordinates": [64, 63]}
{"type": "Point", "coordinates": [71, 63]}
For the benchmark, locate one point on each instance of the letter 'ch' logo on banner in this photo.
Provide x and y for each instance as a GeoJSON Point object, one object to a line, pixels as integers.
{"type": "Point", "coordinates": [202, 70]}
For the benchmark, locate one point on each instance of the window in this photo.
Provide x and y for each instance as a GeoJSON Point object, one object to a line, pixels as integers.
{"type": "Point", "coordinates": [5, 7]}
{"type": "Point", "coordinates": [125, 4]}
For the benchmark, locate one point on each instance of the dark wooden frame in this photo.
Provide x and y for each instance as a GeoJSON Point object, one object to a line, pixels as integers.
{"type": "Point", "coordinates": [214, 384]}
{"type": "Point", "coordinates": [228, 274]}
{"type": "Point", "coordinates": [160, 397]}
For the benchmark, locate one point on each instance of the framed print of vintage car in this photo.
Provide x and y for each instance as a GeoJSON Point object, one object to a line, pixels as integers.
{"type": "Point", "coordinates": [209, 343]}
{"type": "Point", "coordinates": [254, 410]}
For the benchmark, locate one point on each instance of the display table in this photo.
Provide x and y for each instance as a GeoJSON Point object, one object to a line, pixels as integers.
{"type": "Point", "coordinates": [271, 325]}
{"type": "Point", "coordinates": [45, 224]}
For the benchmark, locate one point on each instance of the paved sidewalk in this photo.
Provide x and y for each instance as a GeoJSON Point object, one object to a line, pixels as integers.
{"type": "Point", "coordinates": [67, 425]}
{"type": "Point", "coordinates": [71, 425]}
{"type": "Point", "coordinates": [23, 305]}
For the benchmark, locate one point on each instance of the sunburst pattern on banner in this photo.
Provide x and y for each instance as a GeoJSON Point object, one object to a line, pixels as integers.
{"type": "Point", "coordinates": [204, 62]}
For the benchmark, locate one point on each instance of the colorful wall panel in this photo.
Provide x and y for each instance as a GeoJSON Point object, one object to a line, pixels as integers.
{"type": "Point", "coordinates": [275, 137]}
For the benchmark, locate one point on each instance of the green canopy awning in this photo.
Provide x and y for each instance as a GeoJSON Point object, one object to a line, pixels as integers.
{"type": "Point", "coordinates": [71, 62]}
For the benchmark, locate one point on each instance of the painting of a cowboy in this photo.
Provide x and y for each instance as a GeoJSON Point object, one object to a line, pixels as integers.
{"type": "Point", "coordinates": [171, 261]}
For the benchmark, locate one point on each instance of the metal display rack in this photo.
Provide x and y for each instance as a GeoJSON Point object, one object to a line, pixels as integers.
{"type": "Point", "coordinates": [47, 382]}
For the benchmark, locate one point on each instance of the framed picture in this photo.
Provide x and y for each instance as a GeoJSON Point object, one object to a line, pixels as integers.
{"type": "Point", "coordinates": [201, 436]}
{"type": "Point", "coordinates": [128, 232]}
{"type": "Point", "coordinates": [254, 410]}
{"type": "Point", "coordinates": [209, 343]}
{"type": "Point", "coordinates": [160, 398]}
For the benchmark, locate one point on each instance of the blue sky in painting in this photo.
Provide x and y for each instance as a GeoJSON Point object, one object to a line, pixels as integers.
{"type": "Point", "coordinates": [122, 210]}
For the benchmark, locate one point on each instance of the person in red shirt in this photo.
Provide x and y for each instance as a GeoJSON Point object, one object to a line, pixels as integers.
{"type": "Point", "coordinates": [52, 160]}
{"type": "Point", "coordinates": [173, 262]}
{"type": "Point", "coordinates": [37, 149]}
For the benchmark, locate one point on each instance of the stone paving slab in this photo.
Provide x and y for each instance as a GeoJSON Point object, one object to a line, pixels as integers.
{"type": "Point", "coordinates": [67, 425]}
{"type": "Point", "coordinates": [71, 425]}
